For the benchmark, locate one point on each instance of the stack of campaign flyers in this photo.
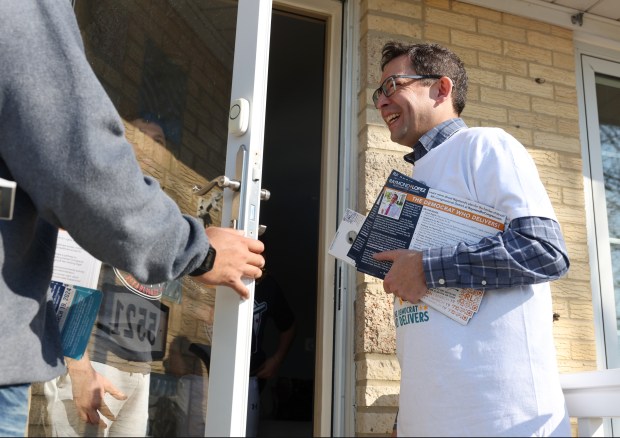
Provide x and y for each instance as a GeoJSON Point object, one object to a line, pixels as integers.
{"type": "Point", "coordinates": [409, 214]}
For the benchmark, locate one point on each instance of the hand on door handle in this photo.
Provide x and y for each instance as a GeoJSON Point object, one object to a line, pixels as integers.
{"type": "Point", "coordinates": [237, 257]}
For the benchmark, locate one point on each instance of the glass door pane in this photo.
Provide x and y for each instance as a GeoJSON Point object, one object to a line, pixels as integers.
{"type": "Point", "coordinates": [607, 98]}
{"type": "Point", "coordinates": [167, 66]}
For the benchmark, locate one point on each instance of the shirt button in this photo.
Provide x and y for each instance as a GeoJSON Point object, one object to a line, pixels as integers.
{"type": "Point", "coordinates": [484, 282]}
{"type": "Point", "coordinates": [442, 281]}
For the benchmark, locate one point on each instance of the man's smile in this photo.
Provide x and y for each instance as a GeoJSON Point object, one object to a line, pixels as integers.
{"type": "Point", "coordinates": [389, 119]}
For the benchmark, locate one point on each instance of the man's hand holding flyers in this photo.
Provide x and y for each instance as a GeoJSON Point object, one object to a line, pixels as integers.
{"type": "Point", "coordinates": [405, 279]}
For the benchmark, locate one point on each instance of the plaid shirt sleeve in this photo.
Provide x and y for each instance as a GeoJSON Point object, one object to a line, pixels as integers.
{"type": "Point", "coordinates": [531, 250]}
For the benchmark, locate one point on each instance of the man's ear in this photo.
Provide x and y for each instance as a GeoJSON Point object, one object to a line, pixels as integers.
{"type": "Point", "coordinates": [444, 88]}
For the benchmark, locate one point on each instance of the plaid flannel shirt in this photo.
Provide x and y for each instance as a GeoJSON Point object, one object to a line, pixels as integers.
{"type": "Point", "coordinates": [531, 250]}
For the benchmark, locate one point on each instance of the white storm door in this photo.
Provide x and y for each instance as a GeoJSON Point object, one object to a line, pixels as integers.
{"type": "Point", "coordinates": [232, 329]}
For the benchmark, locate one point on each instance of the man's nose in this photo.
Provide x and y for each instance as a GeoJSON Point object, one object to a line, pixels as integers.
{"type": "Point", "coordinates": [382, 101]}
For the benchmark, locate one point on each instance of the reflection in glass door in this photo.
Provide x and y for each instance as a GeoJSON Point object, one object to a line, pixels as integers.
{"type": "Point", "coordinates": [167, 66]}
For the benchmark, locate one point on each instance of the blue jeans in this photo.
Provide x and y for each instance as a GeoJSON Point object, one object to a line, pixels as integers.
{"type": "Point", "coordinates": [14, 409]}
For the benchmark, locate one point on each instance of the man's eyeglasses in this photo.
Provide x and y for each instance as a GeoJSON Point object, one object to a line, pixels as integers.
{"type": "Point", "coordinates": [388, 87]}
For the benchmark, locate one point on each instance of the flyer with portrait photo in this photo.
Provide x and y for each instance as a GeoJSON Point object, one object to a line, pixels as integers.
{"type": "Point", "coordinates": [423, 218]}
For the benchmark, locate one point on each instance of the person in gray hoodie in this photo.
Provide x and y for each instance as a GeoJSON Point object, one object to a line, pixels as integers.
{"type": "Point", "coordinates": [62, 141]}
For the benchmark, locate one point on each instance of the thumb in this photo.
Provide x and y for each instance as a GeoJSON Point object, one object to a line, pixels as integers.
{"type": "Point", "coordinates": [114, 391]}
{"type": "Point", "coordinates": [385, 255]}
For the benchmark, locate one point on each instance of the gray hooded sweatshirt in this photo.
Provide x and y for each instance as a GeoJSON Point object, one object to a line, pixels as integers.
{"type": "Point", "coordinates": [63, 142]}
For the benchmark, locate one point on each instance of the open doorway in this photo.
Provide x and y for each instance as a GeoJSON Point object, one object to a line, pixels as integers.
{"type": "Point", "coordinates": [292, 173]}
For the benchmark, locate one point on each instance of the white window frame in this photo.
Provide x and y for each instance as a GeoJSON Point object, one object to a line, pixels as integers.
{"type": "Point", "coordinates": [589, 61]}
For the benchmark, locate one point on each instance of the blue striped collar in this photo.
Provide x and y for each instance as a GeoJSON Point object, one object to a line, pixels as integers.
{"type": "Point", "coordinates": [434, 138]}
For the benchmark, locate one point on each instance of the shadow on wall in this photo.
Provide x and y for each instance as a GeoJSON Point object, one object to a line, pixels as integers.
{"type": "Point", "coordinates": [385, 407]}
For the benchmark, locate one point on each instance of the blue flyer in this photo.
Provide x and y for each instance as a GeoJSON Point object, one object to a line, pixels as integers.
{"type": "Point", "coordinates": [76, 311]}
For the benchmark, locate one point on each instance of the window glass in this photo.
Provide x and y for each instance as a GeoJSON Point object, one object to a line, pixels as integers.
{"type": "Point", "coordinates": [607, 96]}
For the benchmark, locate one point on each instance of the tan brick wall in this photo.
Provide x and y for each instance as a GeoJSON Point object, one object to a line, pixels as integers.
{"type": "Point", "coordinates": [522, 79]}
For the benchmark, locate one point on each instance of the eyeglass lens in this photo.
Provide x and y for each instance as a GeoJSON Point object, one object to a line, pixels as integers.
{"type": "Point", "coordinates": [387, 88]}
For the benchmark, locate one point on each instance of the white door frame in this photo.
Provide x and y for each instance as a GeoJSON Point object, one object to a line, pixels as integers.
{"type": "Point", "coordinates": [334, 373]}
{"type": "Point", "coordinates": [333, 393]}
{"type": "Point", "coordinates": [232, 327]}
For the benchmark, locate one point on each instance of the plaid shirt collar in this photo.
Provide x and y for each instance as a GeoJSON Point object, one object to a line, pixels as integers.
{"type": "Point", "coordinates": [434, 138]}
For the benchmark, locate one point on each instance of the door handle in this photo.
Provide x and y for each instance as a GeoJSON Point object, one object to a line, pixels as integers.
{"type": "Point", "coordinates": [222, 182]}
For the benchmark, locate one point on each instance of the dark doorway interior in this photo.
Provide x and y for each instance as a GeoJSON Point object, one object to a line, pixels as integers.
{"type": "Point", "coordinates": [291, 172]}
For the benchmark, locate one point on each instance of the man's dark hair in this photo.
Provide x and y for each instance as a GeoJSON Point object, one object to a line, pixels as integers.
{"type": "Point", "coordinates": [432, 59]}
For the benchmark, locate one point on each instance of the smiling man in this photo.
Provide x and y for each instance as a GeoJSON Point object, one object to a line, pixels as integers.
{"type": "Point", "coordinates": [497, 375]}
